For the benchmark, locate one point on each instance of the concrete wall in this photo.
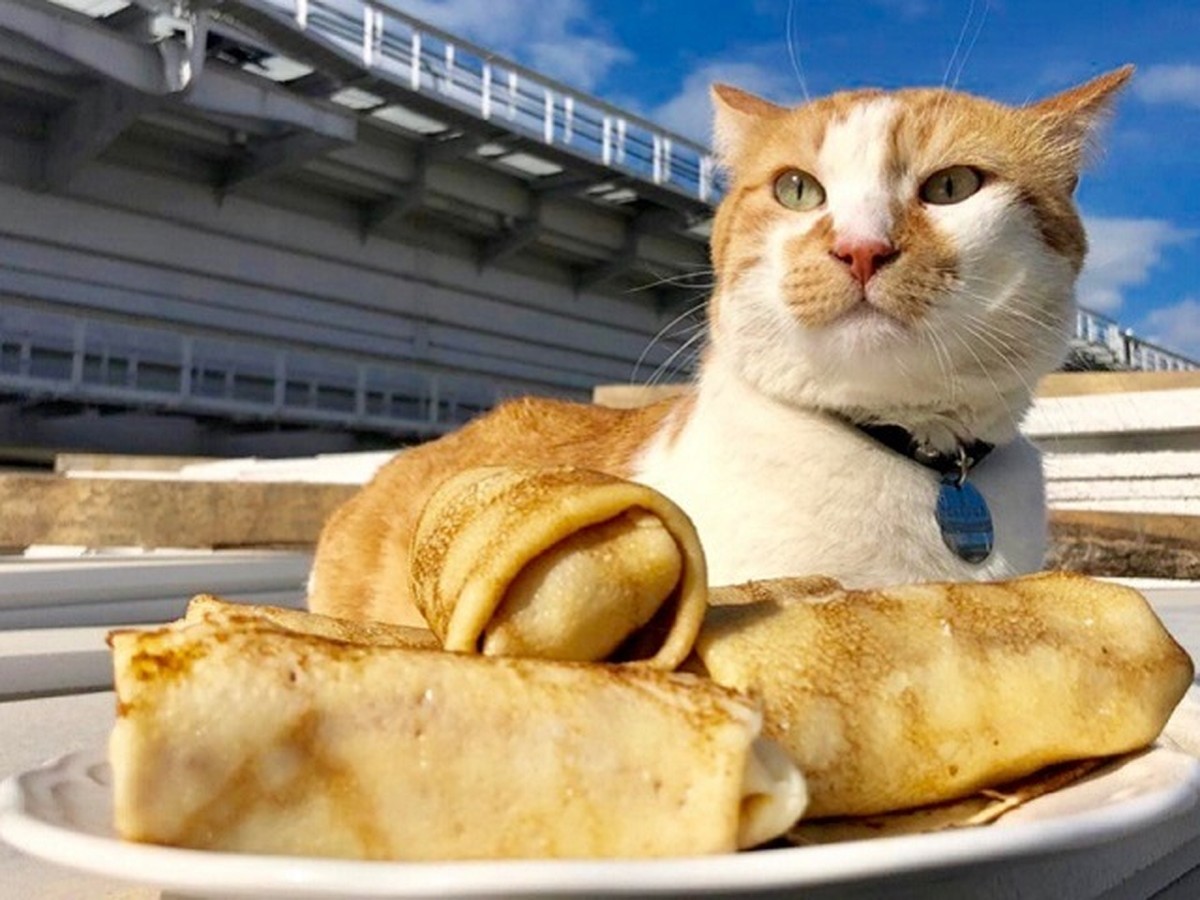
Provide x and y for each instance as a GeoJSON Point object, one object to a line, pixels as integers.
{"type": "Point", "coordinates": [144, 259]}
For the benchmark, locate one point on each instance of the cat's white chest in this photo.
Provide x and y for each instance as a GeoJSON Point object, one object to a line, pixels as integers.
{"type": "Point", "coordinates": [777, 492]}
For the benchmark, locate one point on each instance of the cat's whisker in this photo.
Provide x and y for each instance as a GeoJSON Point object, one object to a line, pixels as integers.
{"type": "Point", "coordinates": [673, 281]}
{"type": "Point", "coordinates": [1001, 288]}
{"type": "Point", "coordinates": [662, 333]}
{"type": "Point", "coordinates": [694, 266]}
{"type": "Point", "coordinates": [903, 369]}
{"type": "Point", "coordinates": [704, 267]}
{"type": "Point", "coordinates": [673, 361]}
{"type": "Point", "coordinates": [692, 360]}
{"type": "Point", "coordinates": [1055, 325]}
{"type": "Point", "coordinates": [987, 373]}
{"type": "Point", "coordinates": [992, 340]}
{"type": "Point", "coordinates": [994, 337]}
{"type": "Point", "coordinates": [793, 52]}
{"type": "Point", "coordinates": [966, 56]}
{"type": "Point", "coordinates": [681, 277]}
{"type": "Point", "coordinates": [1024, 382]}
{"type": "Point", "coordinates": [1049, 321]}
{"type": "Point", "coordinates": [685, 279]}
{"type": "Point", "coordinates": [910, 375]}
{"type": "Point", "coordinates": [945, 363]}
{"type": "Point", "coordinates": [1004, 284]}
{"type": "Point", "coordinates": [1019, 345]}
{"type": "Point", "coordinates": [962, 34]}
{"type": "Point", "coordinates": [1031, 393]}
{"type": "Point", "coordinates": [1024, 345]}
{"type": "Point", "coordinates": [664, 368]}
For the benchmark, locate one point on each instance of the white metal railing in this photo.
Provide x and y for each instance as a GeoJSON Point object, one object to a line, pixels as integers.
{"type": "Point", "coordinates": [80, 359]}
{"type": "Point", "coordinates": [1127, 349]}
{"type": "Point", "coordinates": [71, 357]}
{"type": "Point", "coordinates": [397, 46]}
{"type": "Point", "coordinates": [406, 51]}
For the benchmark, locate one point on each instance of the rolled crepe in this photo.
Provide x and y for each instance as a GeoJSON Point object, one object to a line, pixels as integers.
{"type": "Point", "coordinates": [908, 696]}
{"type": "Point", "coordinates": [264, 740]}
{"type": "Point", "coordinates": [982, 808]}
{"type": "Point", "coordinates": [558, 563]}
{"type": "Point", "coordinates": [227, 615]}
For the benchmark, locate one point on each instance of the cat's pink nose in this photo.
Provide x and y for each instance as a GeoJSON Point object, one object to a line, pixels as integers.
{"type": "Point", "coordinates": [864, 258]}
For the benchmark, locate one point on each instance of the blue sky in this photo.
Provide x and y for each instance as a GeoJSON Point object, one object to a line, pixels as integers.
{"type": "Point", "coordinates": [1141, 197]}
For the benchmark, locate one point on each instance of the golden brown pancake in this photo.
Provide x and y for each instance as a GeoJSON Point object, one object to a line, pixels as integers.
{"type": "Point", "coordinates": [558, 563]}
{"type": "Point", "coordinates": [246, 736]}
{"type": "Point", "coordinates": [902, 697]}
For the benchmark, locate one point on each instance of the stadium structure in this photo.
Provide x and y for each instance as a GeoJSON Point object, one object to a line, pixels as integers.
{"type": "Point", "coordinates": [300, 226]}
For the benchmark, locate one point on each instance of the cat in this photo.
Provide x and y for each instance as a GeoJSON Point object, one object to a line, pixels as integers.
{"type": "Point", "coordinates": [903, 259]}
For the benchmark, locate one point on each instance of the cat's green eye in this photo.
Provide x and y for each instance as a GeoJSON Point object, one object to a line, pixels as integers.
{"type": "Point", "coordinates": [951, 185]}
{"type": "Point", "coordinates": [798, 190]}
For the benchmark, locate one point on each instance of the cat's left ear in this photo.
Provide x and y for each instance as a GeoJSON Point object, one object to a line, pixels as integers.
{"type": "Point", "coordinates": [1074, 115]}
{"type": "Point", "coordinates": [736, 113]}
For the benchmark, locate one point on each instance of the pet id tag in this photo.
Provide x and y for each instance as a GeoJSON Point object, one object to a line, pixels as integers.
{"type": "Point", "coordinates": [965, 520]}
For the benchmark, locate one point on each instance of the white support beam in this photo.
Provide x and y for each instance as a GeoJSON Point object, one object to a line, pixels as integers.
{"type": "Point", "coordinates": [170, 67]}
{"type": "Point", "coordinates": [316, 84]}
{"type": "Point", "coordinates": [452, 147]}
{"type": "Point", "coordinates": [394, 208]}
{"type": "Point", "coordinates": [606, 271]}
{"type": "Point", "coordinates": [415, 193]}
{"type": "Point", "coordinates": [86, 128]}
{"type": "Point", "coordinates": [271, 156]}
{"type": "Point", "coordinates": [523, 232]}
{"type": "Point", "coordinates": [626, 258]}
{"type": "Point", "coordinates": [564, 184]}
{"type": "Point", "coordinates": [167, 67]}
{"type": "Point", "coordinates": [408, 201]}
{"type": "Point", "coordinates": [133, 20]}
{"type": "Point", "coordinates": [511, 242]}
{"type": "Point", "coordinates": [660, 220]}
{"type": "Point", "coordinates": [226, 91]}
{"type": "Point", "coordinates": [39, 65]}
{"type": "Point", "coordinates": [657, 220]}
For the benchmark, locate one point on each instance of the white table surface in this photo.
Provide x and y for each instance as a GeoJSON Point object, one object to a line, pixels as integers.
{"type": "Point", "coordinates": [1163, 862]}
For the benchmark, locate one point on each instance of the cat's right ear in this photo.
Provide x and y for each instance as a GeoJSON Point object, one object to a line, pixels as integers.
{"type": "Point", "coordinates": [736, 112]}
{"type": "Point", "coordinates": [1075, 115]}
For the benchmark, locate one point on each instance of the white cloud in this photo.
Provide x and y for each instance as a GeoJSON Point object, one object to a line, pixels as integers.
{"type": "Point", "coordinates": [578, 61]}
{"type": "Point", "coordinates": [1176, 327]}
{"type": "Point", "coordinates": [1173, 84]}
{"type": "Point", "coordinates": [559, 38]}
{"type": "Point", "coordinates": [689, 112]}
{"type": "Point", "coordinates": [1122, 253]}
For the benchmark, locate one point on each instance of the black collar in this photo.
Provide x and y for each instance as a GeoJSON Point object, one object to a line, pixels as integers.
{"type": "Point", "coordinates": [901, 440]}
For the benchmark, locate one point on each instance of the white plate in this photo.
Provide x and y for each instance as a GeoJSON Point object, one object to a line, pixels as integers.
{"type": "Point", "coordinates": [62, 811]}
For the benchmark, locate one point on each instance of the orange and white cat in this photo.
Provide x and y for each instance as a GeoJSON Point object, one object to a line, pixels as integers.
{"type": "Point", "coordinates": [902, 258]}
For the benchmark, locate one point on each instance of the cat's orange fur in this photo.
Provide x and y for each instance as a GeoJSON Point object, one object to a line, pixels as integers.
{"type": "Point", "coordinates": [361, 568]}
{"type": "Point", "coordinates": [364, 549]}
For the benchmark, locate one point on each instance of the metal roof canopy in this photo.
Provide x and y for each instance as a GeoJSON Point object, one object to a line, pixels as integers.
{"type": "Point", "coordinates": [402, 120]}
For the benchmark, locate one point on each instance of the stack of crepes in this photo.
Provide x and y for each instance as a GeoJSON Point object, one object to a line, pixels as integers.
{"type": "Point", "coordinates": [283, 732]}
{"type": "Point", "coordinates": [275, 731]}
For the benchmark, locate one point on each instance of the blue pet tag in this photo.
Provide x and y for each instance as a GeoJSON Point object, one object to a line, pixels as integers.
{"type": "Point", "coordinates": [965, 520]}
